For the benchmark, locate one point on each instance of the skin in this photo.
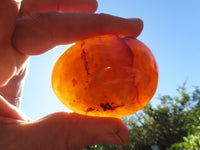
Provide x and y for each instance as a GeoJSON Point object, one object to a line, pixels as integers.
{"type": "Point", "coordinates": [53, 22]}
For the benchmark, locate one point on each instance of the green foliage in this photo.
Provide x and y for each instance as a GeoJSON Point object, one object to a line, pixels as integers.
{"type": "Point", "coordinates": [162, 125]}
{"type": "Point", "coordinates": [174, 120]}
{"type": "Point", "coordinates": [192, 141]}
{"type": "Point", "coordinates": [103, 146]}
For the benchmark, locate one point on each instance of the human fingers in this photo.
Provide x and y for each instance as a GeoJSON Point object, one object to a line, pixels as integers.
{"type": "Point", "coordinates": [8, 18]}
{"type": "Point", "coordinates": [30, 6]}
{"type": "Point", "coordinates": [40, 32]}
{"type": "Point", "coordinates": [86, 130]}
{"type": "Point", "coordinates": [69, 131]}
{"type": "Point", "coordinates": [9, 112]}
{"type": "Point", "coordinates": [12, 91]}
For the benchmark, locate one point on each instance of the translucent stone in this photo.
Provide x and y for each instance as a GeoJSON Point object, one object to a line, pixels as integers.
{"type": "Point", "coordinates": [107, 76]}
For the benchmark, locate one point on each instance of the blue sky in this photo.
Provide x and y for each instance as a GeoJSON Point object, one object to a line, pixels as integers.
{"type": "Point", "coordinates": [171, 31]}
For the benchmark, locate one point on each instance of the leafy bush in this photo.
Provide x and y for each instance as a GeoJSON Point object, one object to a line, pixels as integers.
{"type": "Point", "coordinates": [192, 141]}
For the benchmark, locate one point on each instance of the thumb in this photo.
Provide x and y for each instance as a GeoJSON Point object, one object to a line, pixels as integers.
{"type": "Point", "coordinates": [84, 131]}
{"type": "Point", "coordinates": [71, 131]}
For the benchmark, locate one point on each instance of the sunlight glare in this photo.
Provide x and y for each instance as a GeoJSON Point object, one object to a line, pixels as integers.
{"type": "Point", "coordinates": [18, 3]}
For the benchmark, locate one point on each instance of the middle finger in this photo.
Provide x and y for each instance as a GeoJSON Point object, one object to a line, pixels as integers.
{"type": "Point", "coordinates": [30, 6]}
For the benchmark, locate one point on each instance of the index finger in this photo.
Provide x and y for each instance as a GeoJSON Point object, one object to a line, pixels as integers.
{"type": "Point", "coordinates": [42, 31]}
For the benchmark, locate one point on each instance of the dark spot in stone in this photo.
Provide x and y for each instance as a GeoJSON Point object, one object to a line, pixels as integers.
{"type": "Point", "coordinates": [82, 44]}
{"type": "Point", "coordinates": [85, 61]}
{"type": "Point", "coordinates": [74, 82]}
{"type": "Point", "coordinates": [90, 109]}
{"type": "Point", "coordinates": [108, 106]}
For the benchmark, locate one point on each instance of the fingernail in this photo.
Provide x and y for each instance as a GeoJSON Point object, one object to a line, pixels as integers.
{"type": "Point", "coordinates": [139, 23]}
{"type": "Point", "coordinates": [138, 20]}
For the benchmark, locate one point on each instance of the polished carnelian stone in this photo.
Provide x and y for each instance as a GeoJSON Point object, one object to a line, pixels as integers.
{"type": "Point", "coordinates": [108, 76]}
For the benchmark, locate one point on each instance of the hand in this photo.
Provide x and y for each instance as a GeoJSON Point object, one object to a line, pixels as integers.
{"type": "Point", "coordinates": [34, 29]}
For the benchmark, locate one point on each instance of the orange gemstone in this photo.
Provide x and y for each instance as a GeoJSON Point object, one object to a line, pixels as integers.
{"type": "Point", "coordinates": [108, 76]}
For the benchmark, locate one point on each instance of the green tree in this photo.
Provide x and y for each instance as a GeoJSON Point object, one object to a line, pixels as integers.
{"type": "Point", "coordinates": [192, 141]}
{"type": "Point", "coordinates": [164, 124]}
